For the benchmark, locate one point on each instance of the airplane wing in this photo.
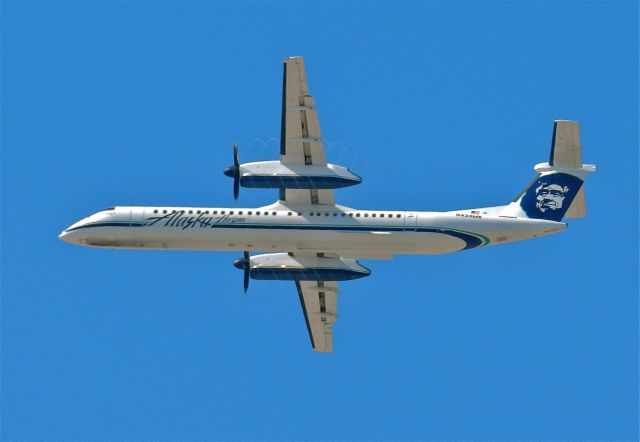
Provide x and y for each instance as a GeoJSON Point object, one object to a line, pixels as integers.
{"type": "Point", "coordinates": [319, 302]}
{"type": "Point", "coordinates": [300, 138]}
{"type": "Point", "coordinates": [301, 143]}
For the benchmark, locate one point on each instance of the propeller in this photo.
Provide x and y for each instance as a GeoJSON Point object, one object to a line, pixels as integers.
{"type": "Point", "coordinates": [234, 172]}
{"type": "Point", "coordinates": [244, 264]}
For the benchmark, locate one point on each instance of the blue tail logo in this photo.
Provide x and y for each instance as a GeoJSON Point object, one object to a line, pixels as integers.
{"type": "Point", "coordinates": [550, 196]}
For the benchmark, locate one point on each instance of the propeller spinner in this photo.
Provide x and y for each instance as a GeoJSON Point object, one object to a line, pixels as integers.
{"type": "Point", "coordinates": [244, 264]}
{"type": "Point", "coordinates": [234, 172]}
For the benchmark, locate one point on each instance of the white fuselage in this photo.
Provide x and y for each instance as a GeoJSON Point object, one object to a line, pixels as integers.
{"type": "Point", "coordinates": [348, 232]}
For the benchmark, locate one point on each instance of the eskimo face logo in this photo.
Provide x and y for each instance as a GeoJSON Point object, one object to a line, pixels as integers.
{"type": "Point", "coordinates": [550, 196]}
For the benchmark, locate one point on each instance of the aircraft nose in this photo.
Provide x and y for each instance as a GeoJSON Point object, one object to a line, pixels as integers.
{"type": "Point", "coordinates": [63, 236]}
{"type": "Point", "coordinates": [70, 235]}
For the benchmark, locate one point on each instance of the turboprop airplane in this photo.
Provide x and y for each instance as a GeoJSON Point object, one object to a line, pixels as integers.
{"type": "Point", "coordinates": [317, 243]}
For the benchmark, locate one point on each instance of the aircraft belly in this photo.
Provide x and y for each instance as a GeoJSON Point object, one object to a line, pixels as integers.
{"type": "Point", "coordinates": [291, 240]}
{"type": "Point", "coordinates": [282, 240]}
{"type": "Point", "coordinates": [430, 243]}
{"type": "Point", "coordinates": [379, 242]}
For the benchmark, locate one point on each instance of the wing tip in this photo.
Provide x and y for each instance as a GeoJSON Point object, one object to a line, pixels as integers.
{"type": "Point", "coordinates": [306, 314]}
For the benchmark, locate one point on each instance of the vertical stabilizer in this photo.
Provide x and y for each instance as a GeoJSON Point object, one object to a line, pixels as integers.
{"type": "Point", "coordinates": [557, 191]}
{"type": "Point", "coordinates": [578, 208]}
{"type": "Point", "coordinates": [566, 151]}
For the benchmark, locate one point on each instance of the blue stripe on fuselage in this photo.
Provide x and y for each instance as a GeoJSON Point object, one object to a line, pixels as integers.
{"type": "Point", "coordinates": [471, 241]}
{"type": "Point", "coordinates": [107, 224]}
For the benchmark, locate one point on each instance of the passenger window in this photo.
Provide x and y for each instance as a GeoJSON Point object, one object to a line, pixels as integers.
{"type": "Point", "coordinates": [289, 213]}
{"type": "Point", "coordinates": [326, 214]}
{"type": "Point", "coordinates": [240, 213]}
{"type": "Point", "coordinates": [398, 215]}
{"type": "Point", "coordinates": [344, 214]}
{"type": "Point", "coordinates": [366, 215]}
{"type": "Point", "coordinates": [373, 215]}
{"type": "Point", "coordinates": [257, 212]}
{"type": "Point", "coordinates": [155, 211]}
{"type": "Point", "coordinates": [164, 211]}
{"type": "Point", "coordinates": [335, 213]}
{"type": "Point", "coordinates": [310, 213]}
{"type": "Point", "coordinates": [198, 211]}
{"type": "Point", "coordinates": [299, 213]}
{"type": "Point", "coordinates": [230, 212]}
{"type": "Point", "coordinates": [390, 216]}
{"type": "Point", "coordinates": [250, 212]}
{"type": "Point", "coordinates": [274, 213]}
{"type": "Point", "coordinates": [222, 212]}
{"type": "Point", "coordinates": [351, 214]}
{"type": "Point", "coordinates": [357, 215]}
{"type": "Point", "coordinates": [215, 212]}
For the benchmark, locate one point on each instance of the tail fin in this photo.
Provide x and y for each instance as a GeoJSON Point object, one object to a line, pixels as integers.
{"type": "Point", "coordinates": [557, 191]}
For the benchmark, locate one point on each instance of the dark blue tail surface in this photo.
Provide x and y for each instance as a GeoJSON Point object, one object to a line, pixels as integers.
{"type": "Point", "coordinates": [550, 196]}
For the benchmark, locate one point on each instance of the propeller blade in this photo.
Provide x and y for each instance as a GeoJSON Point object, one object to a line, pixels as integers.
{"type": "Point", "coordinates": [236, 187]}
{"type": "Point", "coordinates": [236, 175]}
{"type": "Point", "coordinates": [236, 158]}
{"type": "Point", "coordinates": [246, 279]}
{"type": "Point", "coordinates": [244, 263]}
{"type": "Point", "coordinates": [247, 270]}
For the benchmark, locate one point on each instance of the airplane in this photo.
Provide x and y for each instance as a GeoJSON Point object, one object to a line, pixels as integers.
{"type": "Point", "coordinates": [307, 238]}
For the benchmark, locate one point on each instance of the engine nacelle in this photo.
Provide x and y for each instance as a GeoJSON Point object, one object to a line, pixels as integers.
{"type": "Point", "coordinates": [282, 266]}
{"type": "Point", "coordinates": [274, 174]}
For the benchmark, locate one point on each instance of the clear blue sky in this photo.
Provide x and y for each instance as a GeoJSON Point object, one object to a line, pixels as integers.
{"type": "Point", "coordinates": [437, 105]}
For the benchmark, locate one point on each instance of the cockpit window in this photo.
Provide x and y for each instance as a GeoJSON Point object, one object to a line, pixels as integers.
{"type": "Point", "coordinates": [110, 208]}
